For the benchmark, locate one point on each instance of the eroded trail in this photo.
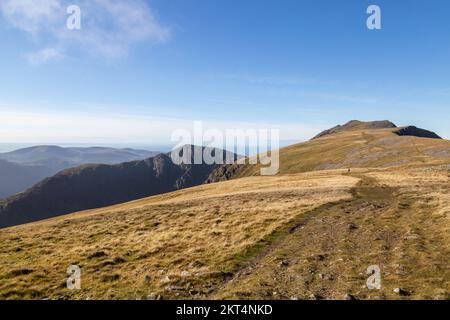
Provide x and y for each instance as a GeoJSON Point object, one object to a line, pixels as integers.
{"type": "Point", "coordinates": [328, 252]}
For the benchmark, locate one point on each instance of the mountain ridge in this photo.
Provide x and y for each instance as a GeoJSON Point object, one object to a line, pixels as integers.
{"type": "Point", "coordinates": [35, 163]}
{"type": "Point", "coordinates": [98, 185]}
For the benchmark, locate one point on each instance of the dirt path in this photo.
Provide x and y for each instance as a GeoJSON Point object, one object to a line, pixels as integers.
{"type": "Point", "coordinates": [326, 253]}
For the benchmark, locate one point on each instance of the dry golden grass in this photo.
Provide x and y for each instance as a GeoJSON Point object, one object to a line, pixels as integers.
{"type": "Point", "coordinates": [402, 225]}
{"type": "Point", "coordinates": [175, 245]}
{"type": "Point", "coordinates": [379, 148]}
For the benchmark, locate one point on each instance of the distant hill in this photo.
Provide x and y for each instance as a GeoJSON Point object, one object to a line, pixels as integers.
{"type": "Point", "coordinates": [59, 158]}
{"type": "Point", "coordinates": [24, 167]}
{"type": "Point", "coordinates": [94, 186]}
{"type": "Point", "coordinates": [15, 177]}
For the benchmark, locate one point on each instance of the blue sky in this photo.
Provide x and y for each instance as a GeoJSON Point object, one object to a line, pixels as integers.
{"type": "Point", "coordinates": [139, 69]}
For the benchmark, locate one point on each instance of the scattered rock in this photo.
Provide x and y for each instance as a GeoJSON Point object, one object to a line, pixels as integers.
{"type": "Point", "coordinates": [153, 296]}
{"type": "Point", "coordinates": [329, 277]}
{"type": "Point", "coordinates": [195, 264]}
{"type": "Point", "coordinates": [348, 296]}
{"type": "Point", "coordinates": [315, 297]}
{"type": "Point", "coordinates": [185, 274]}
{"type": "Point", "coordinates": [352, 226]}
{"type": "Point", "coordinates": [401, 292]}
{"type": "Point", "coordinates": [411, 237]}
{"type": "Point", "coordinates": [166, 279]}
{"type": "Point", "coordinates": [147, 279]}
{"type": "Point", "coordinates": [174, 288]}
{"type": "Point", "coordinates": [283, 263]}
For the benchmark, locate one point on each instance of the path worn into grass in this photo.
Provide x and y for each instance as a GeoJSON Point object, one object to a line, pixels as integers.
{"type": "Point", "coordinates": [325, 253]}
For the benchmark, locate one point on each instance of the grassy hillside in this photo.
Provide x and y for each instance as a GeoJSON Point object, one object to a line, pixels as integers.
{"type": "Point", "coordinates": [183, 242]}
{"type": "Point", "coordinates": [367, 148]}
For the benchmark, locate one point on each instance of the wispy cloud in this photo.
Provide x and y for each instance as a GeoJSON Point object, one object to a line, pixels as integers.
{"type": "Point", "coordinates": [44, 55]}
{"type": "Point", "coordinates": [31, 16]}
{"type": "Point", "coordinates": [274, 80]}
{"type": "Point", "coordinates": [109, 27]}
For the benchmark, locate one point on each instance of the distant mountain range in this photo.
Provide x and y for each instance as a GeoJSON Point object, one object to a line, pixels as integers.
{"type": "Point", "coordinates": [59, 158]}
{"type": "Point", "coordinates": [94, 186]}
{"type": "Point", "coordinates": [21, 169]}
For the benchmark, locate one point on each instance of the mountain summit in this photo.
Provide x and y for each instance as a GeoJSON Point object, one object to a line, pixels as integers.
{"type": "Point", "coordinates": [357, 125]}
{"type": "Point", "coordinates": [356, 144]}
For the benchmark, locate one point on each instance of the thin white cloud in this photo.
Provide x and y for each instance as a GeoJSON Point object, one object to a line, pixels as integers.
{"type": "Point", "coordinates": [29, 15]}
{"type": "Point", "coordinates": [44, 55]}
{"type": "Point", "coordinates": [109, 28]}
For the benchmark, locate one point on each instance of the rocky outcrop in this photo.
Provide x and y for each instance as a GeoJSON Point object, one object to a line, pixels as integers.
{"type": "Point", "coordinates": [416, 132]}
{"type": "Point", "coordinates": [224, 172]}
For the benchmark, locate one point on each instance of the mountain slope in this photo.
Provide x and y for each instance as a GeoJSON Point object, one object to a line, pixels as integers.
{"type": "Point", "coordinates": [94, 186]}
{"type": "Point", "coordinates": [15, 178]}
{"type": "Point", "coordinates": [353, 147]}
